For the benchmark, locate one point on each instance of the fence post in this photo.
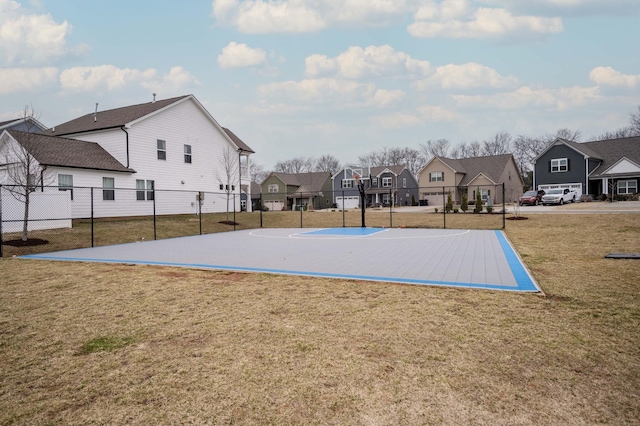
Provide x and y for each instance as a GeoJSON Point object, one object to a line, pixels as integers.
{"type": "Point", "coordinates": [200, 194]}
{"type": "Point", "coordinates": [1, 221]}
{"type": "Point", "coordinates": [390, 208]}
{"type": "Point", "coordinates": [155, 237]}
{"type": "Point", "coordinates": [504, 209]}
{"type": "Point", "coordinates": [343, 223]}
{"type": "Point", "coordinates": [444, 209]}
{"type": "Point", "coordinates": [234, 211]}
{"type": "Point", "coordinates": [300, 207]}
{"type": "Point", "coordinates": [92, 243]}
{"type": "Point", "coordinates": [261, 208]}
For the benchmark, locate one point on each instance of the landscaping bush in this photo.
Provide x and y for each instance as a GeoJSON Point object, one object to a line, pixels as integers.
{"type": "Point", "coordinates": [478, 208]}
{"type": "Point", "coordinates": [465, 203]}
{"type": "Point", "coordinates": [449, 206]}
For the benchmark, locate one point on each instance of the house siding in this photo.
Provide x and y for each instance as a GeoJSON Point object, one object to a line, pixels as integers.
{"type": "Point", "coordinates": [575, 174]}
{"type": "Point", "coordinates": [513, 184]}
{"type": "Point", "coordinates": [432, 191]}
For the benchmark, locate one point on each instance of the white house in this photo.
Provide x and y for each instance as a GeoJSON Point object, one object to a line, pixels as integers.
{"type": "Point", "coordinates": [173, 146]}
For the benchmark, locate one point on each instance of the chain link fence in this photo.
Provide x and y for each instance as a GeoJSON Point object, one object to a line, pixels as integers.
{"type": "Point", "coordinates": [45, 219]}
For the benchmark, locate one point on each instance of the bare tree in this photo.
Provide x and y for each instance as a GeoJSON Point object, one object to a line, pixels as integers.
{"type": "Point", "coordinates": [294, 165]}
{"type": "Point", "coordinates": [436, 148]}
{"type": "Point", "coordinates": [634, 119]}
{"type": "Point", "coordinates": [623, 132]}
{"type": "Point", "coordinates": [570, 135]}
{"type": "Point", "coordinates": [326, 163]}
{"type": "Point", "coordinates": [23, 170]}
{"type": "Point", "coordinates": [227, 172]}
{"type": "Point", "coordinates": [467, 150]}
{"type": "Point", "coordinates": [525, 151]}
{"type": "Point", "coordinates": [499, 144]}
{"type": "Point", "coordinates": [258, 173]}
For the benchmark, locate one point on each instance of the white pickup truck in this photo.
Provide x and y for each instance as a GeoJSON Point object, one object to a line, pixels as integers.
{"type": "Point", "coordinates": [559, 196]}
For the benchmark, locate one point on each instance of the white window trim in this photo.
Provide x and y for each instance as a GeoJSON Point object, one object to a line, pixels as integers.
{"type": "Point", "coordinates": [558, 166]}
{"type": "Point", "coordinates": [188, 154]}
{"type": "Point", "coordinates": [627, 186]}
{"type": "Point", "coordinates": [273, 188]}
{"type": "Point", "coordinates": [108, 189]}
{"type": "Point", "coordinates": [436, 177]}
{"type": "Point", "coordinates": [347, 183]}
{"type": "Point", "coordinates": [387, 182]}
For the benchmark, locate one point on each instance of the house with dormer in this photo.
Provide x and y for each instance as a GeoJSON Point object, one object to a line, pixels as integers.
{"type": "Point", "coordinates": [483, 175]}
{"type": "Point", "coordinates": [383, 185]}
{"type": "Point", "coordinates": [608, 167]}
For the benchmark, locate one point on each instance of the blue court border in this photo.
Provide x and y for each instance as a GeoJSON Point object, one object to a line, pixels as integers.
{"type": "Point", "coordinates": [522, 277]}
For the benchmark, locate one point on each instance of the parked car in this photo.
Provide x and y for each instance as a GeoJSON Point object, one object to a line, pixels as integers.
{"type": "Point", "coordinates": [531, 198]}
{"type": "Point", "coordinates": [559, 196]}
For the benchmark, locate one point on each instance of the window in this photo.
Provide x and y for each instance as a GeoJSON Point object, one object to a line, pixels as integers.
{"type": "Point", "coordinates": [108, 189]}
{"type": "Point", "coordinates": [436, 176]}
{"type": "Point", "coordinates": [221, 187]}
{"type": "Point", "coordinates": [162, 150]}
{"type": "Point", "coordinates": [627, 186]}
{"type": "Point", "coordinates": [65, 183]}
{"type": "Point", "coordinates": [347, 183]}
{"type": "Point", "coordinates": [484, 194]}
{"type": "Point", "coordinates": [187, 154]}
{"type": "Point", "coordinates": [404, 182]}
{"type": "Point", "coordinates": [386, 182]}
{"type": "Point", "coordinates": [559, 165]}
{"type": "Point", "coordinates": [144, 190]}
{"type": "Point", "coordinates": [273, 187]}
{"type": "Point", "coordinates": [374, 181]}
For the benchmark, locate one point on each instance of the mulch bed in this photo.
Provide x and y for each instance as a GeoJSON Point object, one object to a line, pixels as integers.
{"type": "Point", "coordinates": [517, 218]}
{"type": "Point", "coordinates": [228, 222]}
{"type": "Point", "coordinates": [30, 242]}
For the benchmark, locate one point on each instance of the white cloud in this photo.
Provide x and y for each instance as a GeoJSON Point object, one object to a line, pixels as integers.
{"type": "Point", "coordinates": [113, 78]}
{"type": "Point", "coordinates": [526, 97]}
{"type": "Point", "coordinates": [323, 90]}
{"type": "Point", "coordinates": [27, 38]}
{"type": "Point", "coordinates": [300, 16]}
{"type": "Point", "coordinates": [465, 76]}
{"type": "Point", "coordinates": [239, 55]}
{"type": "Point", "coordinates": [372, 61]}
{"type": "Point", "coordinates": [399, 120]}
{"type": "Point", "coordinates": [13, 80]}
{"type": "Point", "coordinates": [574, 7]}
{"type": "Point", "coordinates": [457, 19]}
{"type": "Point", "coordinates": [436, 113]}
{"type": "Point", "coordinates": [384, 98]}
{"type": "Point", "coordinates": [607, 76]}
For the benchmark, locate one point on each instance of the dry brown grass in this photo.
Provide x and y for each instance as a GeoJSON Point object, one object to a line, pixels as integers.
{"type": "Point", "coordinates": [189, 346]}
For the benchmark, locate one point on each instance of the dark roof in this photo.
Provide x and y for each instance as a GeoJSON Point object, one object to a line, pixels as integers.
{"type": "Point", "coordinates": [376, 170]}
{"type": "Point", "coordinates": [305, 182]}
{"type": "Point", "coordinates": [491, 166]}
{"type": "Point", "coordinates": [256, 189]}
{"type": "Point", "coordinates": [64, 152]}
{"type": "Point", "coordinates": [110, 118]}
{"type": "Point", "coordinates": [612, 150]}
{"type": "Point", "coordinates": [584, 148]}
{"type": "Point", "coordinates": [238, 141]}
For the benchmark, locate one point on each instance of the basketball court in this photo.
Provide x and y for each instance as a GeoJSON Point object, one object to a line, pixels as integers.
{"type": "Point", "coordinates": [482, 259]}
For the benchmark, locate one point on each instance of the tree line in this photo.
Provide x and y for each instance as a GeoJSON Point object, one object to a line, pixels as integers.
{"type": "Point", "coordinates": [524, 149]}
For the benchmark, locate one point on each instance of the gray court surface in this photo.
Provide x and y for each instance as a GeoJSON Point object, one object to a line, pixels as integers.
{"type": "Point", "coordinates": [446, 257]}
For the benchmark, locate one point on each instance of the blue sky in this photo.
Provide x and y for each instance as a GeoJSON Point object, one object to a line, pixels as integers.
{"type": "Point", "coordinates": [340, 77]}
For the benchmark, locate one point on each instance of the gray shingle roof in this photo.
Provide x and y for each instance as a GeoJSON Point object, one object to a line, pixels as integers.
{"type": "Point", "coordinates": [612, 150]}
{"type": "Point", "coordinates": [64, 152]}
{"type": "Point", "coordinates": [238, 141]}
{"type": "Point", "coordinates": [491, 166]}
{"type": "Point", "coordinates": [306, 182]}
{"type": "Point", "coordinates": [110, 118]}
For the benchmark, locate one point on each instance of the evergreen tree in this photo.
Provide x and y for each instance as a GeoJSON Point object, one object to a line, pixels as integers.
{"type": "Point", "coordinates": [449, 206]}
{"type": "Point", "coordinates": [464, 205]}
{"type": "Point", "coordinates": [478, 208]}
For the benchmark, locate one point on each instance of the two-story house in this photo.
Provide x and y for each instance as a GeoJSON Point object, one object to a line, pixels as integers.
{"type": "Point", "coordinates": [165, 145]}
{"type": "Point", "coordinates": [610, 167]}
{"type": "Point", "coordinates": [384, 186]}
{"type": "Point", "coordinates": [470, 175]}
{"type": "Point", "coordinates": [286, 191]}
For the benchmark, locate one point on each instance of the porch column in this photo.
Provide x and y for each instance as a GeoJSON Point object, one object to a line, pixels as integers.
{"type": "Point", "coordinates": [605, 186]}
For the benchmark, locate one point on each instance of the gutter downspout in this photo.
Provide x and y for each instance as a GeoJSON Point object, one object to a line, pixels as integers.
{"type": "Point", "coordinates": [127, 144]}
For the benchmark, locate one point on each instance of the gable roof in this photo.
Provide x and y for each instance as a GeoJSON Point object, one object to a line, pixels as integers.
{"type": "Point", "coordinates": [238, 141]}
{"type": "Point", "coordinates": [612, 150]}
{"type": "Point", "coordinates": [396, 170]}
{"type": "Point", "coordinates": [491, 166]}
{"type": "Point", "coordinates": [63, 152]}
{"type": "Point", "coordinates": [304, 182]}
{"type": "Point", "coordinates": [15, 122]}
{"type": "Point", "coordinates": [111, 118]}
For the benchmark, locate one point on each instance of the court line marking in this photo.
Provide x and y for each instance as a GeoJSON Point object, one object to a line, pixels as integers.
{"type": "Point", "coordinates": [302, 236]}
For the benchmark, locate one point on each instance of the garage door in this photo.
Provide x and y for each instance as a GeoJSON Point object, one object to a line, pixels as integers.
{"type": "Point", "coordinates": [348, 202]}
{"type": "Point", "coordinates": [434, 199]}
{"type": "Point", "coordinates": [274, 205]}
{"type": "Point", "coordinates": [577, 187]}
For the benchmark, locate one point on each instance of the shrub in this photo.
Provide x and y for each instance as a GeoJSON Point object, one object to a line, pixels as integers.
{"type": "Point", "coordinates": [478, 208]}
{"type": "Point", "coordinates": [449, 206]}
{"type": "Point", "coordinates": [465, 202]}
{"type": "Point", "coordinates": [489, 209]}
{"type": "Point", "coordinates": [455, 210]}
{"type": "Point", "coordinates": [435, 209]}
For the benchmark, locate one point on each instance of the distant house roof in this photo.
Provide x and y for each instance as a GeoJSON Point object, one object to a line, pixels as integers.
{"type": "Point", "coordinates": [63, 152]}
{"type": "Point", "coordinates": [304, 182]}
{"type": "Point", "coordinates": [396, 170]}
{"type": "Point", "coordinates": [256, 189]}
{"type": "Point", "coordinates": [491, 166]}
{"type": "Point", "coordinates": [612, 150]}
{"type": "Point", "coordinates": [21, 122]}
